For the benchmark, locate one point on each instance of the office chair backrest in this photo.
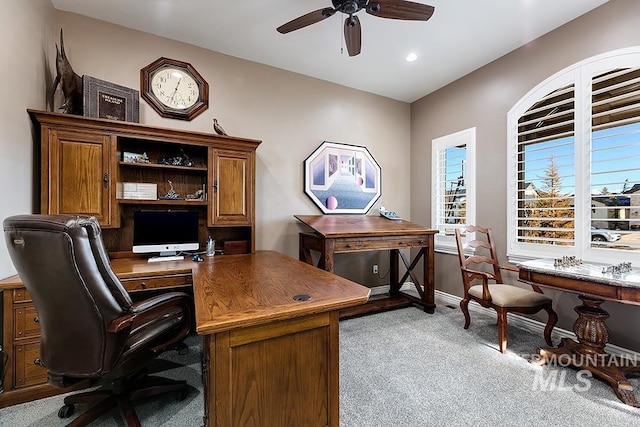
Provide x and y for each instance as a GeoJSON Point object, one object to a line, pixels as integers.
{"type": "Point", "coordinates": [63, 263]}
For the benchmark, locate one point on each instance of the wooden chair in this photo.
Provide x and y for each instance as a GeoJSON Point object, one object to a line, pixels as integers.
{"type": "Point", "coordinates": [483, 267]}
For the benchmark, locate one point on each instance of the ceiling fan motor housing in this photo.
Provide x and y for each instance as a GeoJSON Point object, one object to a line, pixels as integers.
{"type": "Point", "coordinates": [351, 7]}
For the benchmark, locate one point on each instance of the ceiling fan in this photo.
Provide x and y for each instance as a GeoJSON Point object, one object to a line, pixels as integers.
{"type": "Point", "coordinates": [391, 9]}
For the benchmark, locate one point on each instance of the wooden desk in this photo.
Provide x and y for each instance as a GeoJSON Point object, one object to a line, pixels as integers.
{"type": "Point", "coordinates": [335, 234]}
{"type": "Point", "coordinates": [270, 356]}
{"type": "Point", "coordinates": [25, 379]}
{"type": "Point", "coordinates": [594, 288]}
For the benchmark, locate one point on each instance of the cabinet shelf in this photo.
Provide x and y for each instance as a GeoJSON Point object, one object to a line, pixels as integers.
{"type": "Point", "coordinates": [161, 166]}
{"type": "Point", "coordinates": [163, 202]}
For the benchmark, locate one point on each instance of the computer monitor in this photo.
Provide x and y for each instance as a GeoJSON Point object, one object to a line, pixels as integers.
{"type": "Point", "coordinates": [165, 232]}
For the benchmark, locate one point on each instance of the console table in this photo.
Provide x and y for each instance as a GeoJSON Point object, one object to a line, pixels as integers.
{"type": "Point", "coordinates": [594, 288]}
{"type": "Point", "coordinates": [335, 234]}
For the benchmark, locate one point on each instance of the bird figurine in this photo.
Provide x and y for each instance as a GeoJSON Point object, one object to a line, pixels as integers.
{"type": "Point", "coordinates": [70, 82]}
{"type": "Point", "coordinates": [219, 129]}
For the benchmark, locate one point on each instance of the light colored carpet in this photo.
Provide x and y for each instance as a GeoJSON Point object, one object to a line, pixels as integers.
{"type": "Point", "coordinates": [407, 368]}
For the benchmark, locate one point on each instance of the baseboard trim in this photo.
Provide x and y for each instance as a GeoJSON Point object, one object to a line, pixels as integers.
{"type": "Point", "coordinates": [513, 318]}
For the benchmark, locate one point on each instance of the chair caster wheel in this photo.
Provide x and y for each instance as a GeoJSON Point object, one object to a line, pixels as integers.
{"type": "Point", "coordinates": [66, 411]}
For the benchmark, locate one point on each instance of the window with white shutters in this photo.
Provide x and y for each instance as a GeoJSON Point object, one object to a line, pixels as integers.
{"type": "Point", "coordinates": [453, 178]}
{"type": "Point", "coordinates": [574, 162]}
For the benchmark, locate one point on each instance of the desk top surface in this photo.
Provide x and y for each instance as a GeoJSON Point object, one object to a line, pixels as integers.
{"type": "Point", "coordinates": [337, 226]}
{"type": "Point", "coordinates": [234, 291]}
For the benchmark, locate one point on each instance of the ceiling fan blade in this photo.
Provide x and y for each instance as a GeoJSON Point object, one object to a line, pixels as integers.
{"type": "Point", "coordinates": [401, 9]}
{"type": "Point", "coordinates": [352, 35]}
{"type": "Point", "coordinates": [304, 20]}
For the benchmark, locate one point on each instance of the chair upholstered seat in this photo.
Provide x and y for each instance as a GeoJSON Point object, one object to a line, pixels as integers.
{"type": "Point", "coordinates": [511, 296]}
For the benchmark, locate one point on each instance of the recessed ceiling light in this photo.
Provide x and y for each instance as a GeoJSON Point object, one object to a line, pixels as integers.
{"type": "Point", "coordinates": [412, 57]}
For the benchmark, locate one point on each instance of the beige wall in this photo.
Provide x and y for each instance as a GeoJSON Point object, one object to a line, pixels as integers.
{"type": "Point", "coordinates": [26, 31]}
{"type": "Point", "coordinates": [292, 115]}
{"type": "Point", "coordinates": [482, 99]}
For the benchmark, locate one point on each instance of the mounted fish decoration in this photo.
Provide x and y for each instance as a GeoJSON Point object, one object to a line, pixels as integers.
{"type": "Point", "coordinates": [69, 81]}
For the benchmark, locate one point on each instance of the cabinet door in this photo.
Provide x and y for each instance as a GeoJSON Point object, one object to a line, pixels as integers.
{"type": "Point", "coordinates": [232, 186]}
{"type": "Point", "coordinates": [79, 175]}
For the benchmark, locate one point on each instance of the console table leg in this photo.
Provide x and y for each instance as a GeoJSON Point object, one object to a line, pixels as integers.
{"type": "Point", "coordinates": [590, 327]}
{"type": "Point", "coordinates": [588, 352]}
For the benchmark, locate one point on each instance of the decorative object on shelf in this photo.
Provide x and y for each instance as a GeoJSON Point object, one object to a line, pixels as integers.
{"type": "Point", "coordinates": [70, 82]}
{"type": "Point", "coordinates": [181, 160]}
{"type": "Point", "coordinates": [218, 128]}
{"type": "Point", "coordinates": [174, 89]}
{"type": "Point", "coordinates": [198, 195]}
{"type": "Point", "coordinates": [128, 157]}
{"type": "Point", "coordinates": [107, 100]}
{"type": "Point", "coordinates": [171, 194]}
{"type": "Point", "coordinates": [341, 178]}
{"type": "Point", "coordinates": [136, 191]}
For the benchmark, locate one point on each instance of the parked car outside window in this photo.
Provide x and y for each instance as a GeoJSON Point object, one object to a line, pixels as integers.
{"type": "Point", "coordinates": [602, 235]}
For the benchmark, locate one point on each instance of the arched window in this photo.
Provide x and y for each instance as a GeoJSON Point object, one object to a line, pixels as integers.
{"type": "Point", "coordinates": [574, 163]}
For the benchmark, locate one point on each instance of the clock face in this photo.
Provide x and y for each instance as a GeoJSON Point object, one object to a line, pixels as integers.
{"type": "Point", "coordinates": [175, 88]}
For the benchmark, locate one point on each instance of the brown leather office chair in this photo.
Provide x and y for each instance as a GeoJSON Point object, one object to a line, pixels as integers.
{"type": "Point", "coordinates": [90, 328]}
{"type": "Point", "coordinates": [483, 267]}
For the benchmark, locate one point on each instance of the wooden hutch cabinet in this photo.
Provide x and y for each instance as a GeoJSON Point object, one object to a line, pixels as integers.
{"type": "Point", "coordinates": [83, 167]}
{"type": "Point", "coordinates": [232, 201]}
{"type": "Point", "coordinates": [77, 171]}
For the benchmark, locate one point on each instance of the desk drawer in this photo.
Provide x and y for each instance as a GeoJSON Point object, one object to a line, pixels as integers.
{"type": "Point", "coordinates": [26, 366]}
{"type": "Point", "coordinates": [379, 243]}
{"type": "Point", "coordinates": [21, 295]}
{"type": "Point", "coordinates": [154, 282]}
{"type": "Point", "coordinates": [25, 321]}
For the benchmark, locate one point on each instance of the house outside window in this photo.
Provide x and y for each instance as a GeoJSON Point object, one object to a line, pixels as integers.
{"type": "Point", "coordinates": [453, 179]}
{"type": "Point", "coordinates": [574, 163]}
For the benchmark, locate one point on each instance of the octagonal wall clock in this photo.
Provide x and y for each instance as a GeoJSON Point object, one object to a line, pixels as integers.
{"type": "Point", "coordinates": [174, 89]}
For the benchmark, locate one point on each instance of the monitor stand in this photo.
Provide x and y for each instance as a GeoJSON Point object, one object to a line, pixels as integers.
{"type": "Point", "coordinates": [166, 256]}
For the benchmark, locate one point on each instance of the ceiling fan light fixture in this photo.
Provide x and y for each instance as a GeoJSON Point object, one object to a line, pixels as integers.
{"type": "Point", "coordinates": [373, 7]}
{"type": "Point", "coordinates": [411, 57]}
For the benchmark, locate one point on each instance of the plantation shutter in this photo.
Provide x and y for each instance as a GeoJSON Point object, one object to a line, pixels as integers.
{"type": "Point", "coordinates": [546, 170]}
{"type": "Point", "coordinates": [452, 193]}
{"type": "Point", "coordinates": [615, 151]}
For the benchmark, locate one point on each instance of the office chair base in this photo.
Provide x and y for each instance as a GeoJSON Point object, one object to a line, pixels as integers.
{"type": "Point", "coordinates": [105, 399]}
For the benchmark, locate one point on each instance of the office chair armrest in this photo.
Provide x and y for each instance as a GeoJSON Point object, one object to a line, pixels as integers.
{"type": "Point", "coordinates": [149, 308]}
{"type": "Point", "coordinates": [159, 300]}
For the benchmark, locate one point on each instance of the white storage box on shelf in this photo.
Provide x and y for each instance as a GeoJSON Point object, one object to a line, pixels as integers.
{"type": "Point", "coordinates": [137, 191]}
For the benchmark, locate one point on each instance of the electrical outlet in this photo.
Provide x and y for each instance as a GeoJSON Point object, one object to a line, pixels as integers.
{"type": "Point", "coordinates": [374, 270]}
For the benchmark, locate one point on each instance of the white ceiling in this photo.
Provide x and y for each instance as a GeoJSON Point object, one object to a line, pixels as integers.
{"type": "Point", "coordinates": [462, 36]}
